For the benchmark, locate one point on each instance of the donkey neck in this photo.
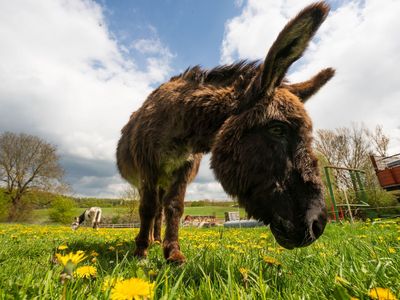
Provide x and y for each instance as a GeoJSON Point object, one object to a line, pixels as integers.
{"type": "Point", "coordinates": [206, 110]}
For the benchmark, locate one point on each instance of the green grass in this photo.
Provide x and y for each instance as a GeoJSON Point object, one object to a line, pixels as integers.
{"type": "Point", "coordinates": [221, 263]}
{"type": "Point", "coordinates": [41, 216]}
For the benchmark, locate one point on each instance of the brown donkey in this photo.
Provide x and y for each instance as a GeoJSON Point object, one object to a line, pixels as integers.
{"type": "Point", "coordinates": [255, 125]}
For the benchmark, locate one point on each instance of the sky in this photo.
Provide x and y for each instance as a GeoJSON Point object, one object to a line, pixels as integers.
{"type": "Point", "coordinates": [72, 71]}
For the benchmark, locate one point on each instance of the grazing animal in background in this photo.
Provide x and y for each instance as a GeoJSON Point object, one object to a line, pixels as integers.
{"type": "Point", "coordinates": [93, 214]}
{"type": "Point", "coordinates": [258, 132]}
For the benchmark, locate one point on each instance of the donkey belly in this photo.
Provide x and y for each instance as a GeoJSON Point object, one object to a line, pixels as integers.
{"type": "Point", "coordinates": [170, 164]}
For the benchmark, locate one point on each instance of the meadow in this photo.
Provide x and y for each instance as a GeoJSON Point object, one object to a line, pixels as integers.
{"type": "Point", "coordinates": [41, 216]}
{"type": "Point", "coordinates": [350, 261]}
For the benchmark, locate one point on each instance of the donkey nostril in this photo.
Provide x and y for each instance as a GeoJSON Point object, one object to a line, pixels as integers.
{"type": "Point", "coordinates": [317, 228]}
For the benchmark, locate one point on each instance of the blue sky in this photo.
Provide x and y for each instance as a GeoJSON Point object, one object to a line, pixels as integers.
{"type": "Point", "coordinates": [193, 30]}
{"type": "Point", "coordinates": [72, 71]}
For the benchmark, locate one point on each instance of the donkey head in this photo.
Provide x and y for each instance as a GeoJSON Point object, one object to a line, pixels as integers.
{"type": "Point", "coordinates": [75, 224]}
{"type": "Point", "coordinates": [263, 154]}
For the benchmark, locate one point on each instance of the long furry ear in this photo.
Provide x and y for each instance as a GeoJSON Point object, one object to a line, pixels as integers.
{"type": "Point", "coordinates": [290, 45]}
{"type": "Point", "coordinates": [304, 90]}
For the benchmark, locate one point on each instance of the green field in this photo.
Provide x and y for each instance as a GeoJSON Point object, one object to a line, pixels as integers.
{"type": "Point", "coordinates": [41, 216]}
{"type": "Point", "coordinates": [350, 260]}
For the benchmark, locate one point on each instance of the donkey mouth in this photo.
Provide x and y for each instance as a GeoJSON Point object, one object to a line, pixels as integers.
{"type": "Point", "coordinates": [287, 235]}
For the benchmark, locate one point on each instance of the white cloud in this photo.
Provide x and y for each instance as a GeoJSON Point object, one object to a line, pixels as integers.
{"type": "Point", "coordinates": [64, 78]}
{"type": "Point", "coordinates": [206, 190]}
{"type": "Point", "coordinates": [159, 57]}
{"type": "Point", "coordinates": [359, 39]}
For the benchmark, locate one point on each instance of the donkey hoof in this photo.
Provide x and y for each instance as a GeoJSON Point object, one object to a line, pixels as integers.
{"type": "Point", "coordinates": [176, 257]}
{"type": "Point", "coordinates": [140, 253]}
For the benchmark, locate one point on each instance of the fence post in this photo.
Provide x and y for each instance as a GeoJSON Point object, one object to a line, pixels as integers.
{"type": "Point", "coordinates": [328, 180]}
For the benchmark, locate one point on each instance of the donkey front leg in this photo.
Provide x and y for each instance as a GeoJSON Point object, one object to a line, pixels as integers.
{"type": "Point", "coordinates": [173, 209]}
{"type": "Point", "coordinates": [147, 211]}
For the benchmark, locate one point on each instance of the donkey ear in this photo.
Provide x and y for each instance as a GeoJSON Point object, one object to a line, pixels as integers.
{"type": "Point", "coordinates": [304, 90]}
{"type": "Point", "coordinates": [290, 45]}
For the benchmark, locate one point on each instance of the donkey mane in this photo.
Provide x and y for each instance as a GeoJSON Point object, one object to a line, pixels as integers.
{"type": "Point", "coordinates": [225, 75]}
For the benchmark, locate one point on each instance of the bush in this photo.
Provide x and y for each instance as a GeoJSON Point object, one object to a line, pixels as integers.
{"type": "Point", "coordinates": [384, 202]}
{"type": "Point", "coordinates": [63, 210]}
{"type": "Point", "coordinates": [5, 204]}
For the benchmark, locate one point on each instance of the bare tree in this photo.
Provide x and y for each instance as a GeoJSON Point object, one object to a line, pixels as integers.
{"type": "Point", "coordinates": [131, 198]}
{"type": "Point", "coordinates": [379, 139]}
{"type": "Point", "coordinates": [350, 147]}
{"type": "Point", "coordinates": [27, 162]}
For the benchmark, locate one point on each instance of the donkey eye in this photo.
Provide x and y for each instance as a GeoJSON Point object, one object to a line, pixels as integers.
{"type": "Point", "coordinates": [277, 130]}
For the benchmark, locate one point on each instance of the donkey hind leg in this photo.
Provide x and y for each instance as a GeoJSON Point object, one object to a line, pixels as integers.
{"type": "Point", "coordinates": [158, 217]}
{"type": "Point", "coordinates": [173, 209]}
{"type": "Point", "coordinates": [147, 212]}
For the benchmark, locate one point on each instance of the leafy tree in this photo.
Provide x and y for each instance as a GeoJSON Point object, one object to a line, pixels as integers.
{"type": "Point", "coordinates": [62, 210]}
{"type": "Point", "coordinates": [27, 162]}
{"type": "Point", "coordinates": [4, 205]}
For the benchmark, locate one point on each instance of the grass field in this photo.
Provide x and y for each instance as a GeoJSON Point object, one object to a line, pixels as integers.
{"type": "Point", "coordinates": [350, 260]}
{"type": "Point", "coordinates": [41, 216]}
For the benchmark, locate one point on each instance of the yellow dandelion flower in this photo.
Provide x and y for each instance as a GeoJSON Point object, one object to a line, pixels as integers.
{"type": "Point", "coordinates": [392, 250]}
{"type": "Point", "coordinates": [133, 288]}
{"type": "Point", "coordinates": [271, 261]}
{"type": "Point", "coordinates": [62, 247]}
{"type": "Point", "coordinates": [111, 248]}
{"type": "Point", "coordinates": [94, 260]}
{"type": "Point", "coordinates": [244, 271]}
{"type": "Point", "coordinates": [85, 272]}
{"type": "Point", "coordinates": [94, 254]}
{"type": "Point", "coordinates": [74, 258]}
{"type": "Point", "coordinates": [381, 294]}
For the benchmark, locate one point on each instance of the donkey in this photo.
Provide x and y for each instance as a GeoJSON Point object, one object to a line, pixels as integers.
{"type": "Point", "coordinates": [253, 122]}
{"type": "Point", "coordinates": [93, 213]}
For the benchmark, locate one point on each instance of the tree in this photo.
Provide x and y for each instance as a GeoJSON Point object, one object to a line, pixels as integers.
{"type": "Point", "coordinates": [130, 197]}
{"type": "Point", "coordinates": [27, 162]}
{"type": "Point", "coordinates": [350, 148]}
{"type": "Point", "coordinates": [62, 210]}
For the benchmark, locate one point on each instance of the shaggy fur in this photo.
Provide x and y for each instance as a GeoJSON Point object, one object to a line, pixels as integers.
{"type": "Point", "coordinates": [254, 124]}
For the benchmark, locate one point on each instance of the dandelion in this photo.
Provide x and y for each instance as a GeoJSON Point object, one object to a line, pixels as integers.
{"type": "Point", "coordinates": [381, 294]}
{"type": "Point", "coordinates": [111, 248]}
{"type": "Point", "coordinates": [85, 272]}
{"type": "Point", "coordinates": [133, 288]}
{"type": "Point", "coordinates": [244, 272]}
{"type": "Point", "coordinates": [62, 247]}
{"type": "Point", "coordinates": [271, 261]}
{"type": "Point", "coordinates": [74, 258]}
{"type": "Point", "coordinates": [94, 254]}
{"type": "Point", "coordinates": [392, 250]}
